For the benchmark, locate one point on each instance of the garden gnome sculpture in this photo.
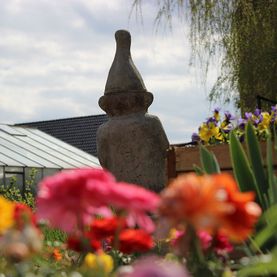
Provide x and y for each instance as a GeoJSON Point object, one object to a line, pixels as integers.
{"type": "Point", "coordinates": [132, 144]}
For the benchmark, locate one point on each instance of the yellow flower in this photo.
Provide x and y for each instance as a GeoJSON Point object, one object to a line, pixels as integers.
{"type": "Point", "coordinates": [216, 116]}
{"type": "Point", "coordinates": [207, 131]}
{"type": "Point", "coordinates": [171, 235]}
{"type": "Point", "coordinates": [99, 262]}
{"type": "Point", "coordinates": [265, 122]}
{"type": "Point", "coordinates": [6, 214]}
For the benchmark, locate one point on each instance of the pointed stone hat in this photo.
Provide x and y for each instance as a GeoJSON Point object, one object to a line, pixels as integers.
{"type": "Point", "coordinates": [123, 75]}
{"type": "Point", "coordinates": [125, 92]}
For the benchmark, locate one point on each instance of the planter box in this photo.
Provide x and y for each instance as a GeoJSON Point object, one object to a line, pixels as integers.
{"type": "Point", "coordinates": [180, 159]}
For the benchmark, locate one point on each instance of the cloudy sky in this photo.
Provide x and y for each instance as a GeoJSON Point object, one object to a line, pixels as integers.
{"type": "Point", "coordinates": [55, 57]}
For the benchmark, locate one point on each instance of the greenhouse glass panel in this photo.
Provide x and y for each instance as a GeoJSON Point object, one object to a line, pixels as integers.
{"type": "Point", "coordinates": [55, 156]}
{"type": "Point", "coordinates": [9, 152]}
{"type": "Point", "coordinates": [74, 152]}
{"type": "Point", "coordinates": [15, 180]}
{"type": "Point", "coordinates": [14, 169]}
{"type": "Point", "coordinates": [31, 148]}
{"type": "Point", "coordinates": [49, 171]}
{"type": "Point", "coordinates": [2, 181]}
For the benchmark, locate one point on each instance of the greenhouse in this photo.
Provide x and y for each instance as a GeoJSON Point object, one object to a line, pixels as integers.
{"type": "Point", "coordinates": [30, 153]}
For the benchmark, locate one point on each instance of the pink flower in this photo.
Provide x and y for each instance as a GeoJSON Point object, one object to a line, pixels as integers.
{"type": "Point", "coordinates": [70, 199]}
{"type": "Point", "coordinates": [137, 201]}
{"type": "Point", "coordinates": [66, 199]}
{"type": "Point", "coordinates": [205, 239]}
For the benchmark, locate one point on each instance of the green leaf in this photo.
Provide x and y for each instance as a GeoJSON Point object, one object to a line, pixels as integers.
{"type": "Point", "coordinates": [270, 218]}
{"type": "Point", "coordinates": [275, 139]}
{"type": "Point", "coordinates": [271, 177]}
{"type": "Point", "coordinates": [260, 268]}
{"type": "Point", "coordinates": [256, 160]}
{"type": "Point", "coordinates": [242, 170]}
{"type": "Point", "coordinates": [198, 170]}
{"type": "Point", "coordinates": [208, 161]}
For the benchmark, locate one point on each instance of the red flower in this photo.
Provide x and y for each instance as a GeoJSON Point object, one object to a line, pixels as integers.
{"type": "Point", "coordinates": [222, 244]}
{"type": "Point", "coordinates": [23, 215]}
{"type": "Point", "coordinates": [106, 227]}
{"type": "Point", "coordinates": [86, 243]}
{"type": "Point", "coordinates": [135, 240]}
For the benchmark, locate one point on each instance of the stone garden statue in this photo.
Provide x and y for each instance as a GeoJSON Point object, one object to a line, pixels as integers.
{"type": "Point", "coordinates": [132, 144]}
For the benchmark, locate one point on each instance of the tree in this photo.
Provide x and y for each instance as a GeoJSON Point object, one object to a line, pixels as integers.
{"type": "Point", "coordinates": [243, 33]}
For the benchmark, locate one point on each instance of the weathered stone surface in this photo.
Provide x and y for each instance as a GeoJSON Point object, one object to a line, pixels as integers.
{"type": "Point", "coordinates": [132, 144]}
{"type": "Point", "coordinates": [123, 75]}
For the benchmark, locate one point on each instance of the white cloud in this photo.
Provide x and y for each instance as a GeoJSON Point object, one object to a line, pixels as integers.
{"type": "Point", "coordinates": [55, 58]}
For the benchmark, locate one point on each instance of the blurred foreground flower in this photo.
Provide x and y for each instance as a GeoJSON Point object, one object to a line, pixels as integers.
{"type": "Point", "coordinates": [153, 266]}
{"type": "Point", "coordinates": [17, 245]}
{"type": "Point", "coordinates": [57, 255]}
{"type": "Point", "coordinates": [100, 262]}
{"type": "Point", "coordinates": [70, 199]}
{"type": "Point", "coordinates": [6, 214]}
{"type": "Point", "coordinates": [212, 203]}
{"type": "Point", "coordinates": [132, 240]}
{"type": "Point", "coordinates": [23, 215]}
{"type": "Point", "coordinates": [218, 243]}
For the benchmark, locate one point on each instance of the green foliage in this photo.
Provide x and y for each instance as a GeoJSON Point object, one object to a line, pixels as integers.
{"type": "Point", "coordinates": [252, 175]}
{"type": "Point", "coordinates": [249, 170]}
{"type": "Point", "coordinates": [208, 161]}
{"type": "Point", "coordinates": [264, 264]}
{"type": "Point", "coordinates": [52, 235]}
{"type": "Point", "coordinates": [256, 159]}
{"type": "Point", "coordinates": [242, 170]}
{"type": "Point", "coordinates": [13, 193]}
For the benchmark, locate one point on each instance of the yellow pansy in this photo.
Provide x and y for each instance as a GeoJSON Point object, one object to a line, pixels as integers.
{"type": "Point", "coordinates": [265, 122]}
{"type": "Point", "coordinates": [207, 131]}
{"type": "Point", "coordinates": [216, 115]}
{"type": "Point", "coordinates": [6, 214]}
{"type": "Point", "coordinates": [99, 262]}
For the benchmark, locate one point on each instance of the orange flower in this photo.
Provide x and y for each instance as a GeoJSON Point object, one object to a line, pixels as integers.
{"type": "Point", "coordinates": [57, 255]}
{"type": "Point", "coordinates": [242, 213]}
{"type": "Point", "coordinates": [211, 203]}
{"type": "Point", "coordinates": [190, 199]}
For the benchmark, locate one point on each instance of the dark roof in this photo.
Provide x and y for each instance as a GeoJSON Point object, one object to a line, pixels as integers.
{"type": "Point", "coordinates": [77, 131]}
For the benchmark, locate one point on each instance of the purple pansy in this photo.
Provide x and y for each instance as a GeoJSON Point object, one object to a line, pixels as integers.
{"type": "Point", "coordinates": [248, 116]}
{"type": "Point", "coordinates": [228, 116]}
{"type": "Point", "coordinates": [195, 137]}
{"type": "Point", "coordinates": [216, 110]}
{"type": "Point", "coordinates": [257, 112]}
{"type": "Point", "coordinates": [258, 120]}
{"type": "Point", "coordinates": [241, 123]}
{"type": "Point", "coordinates": [228, 128]}
{"type": "Point", "coordinates": [211, 120]}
